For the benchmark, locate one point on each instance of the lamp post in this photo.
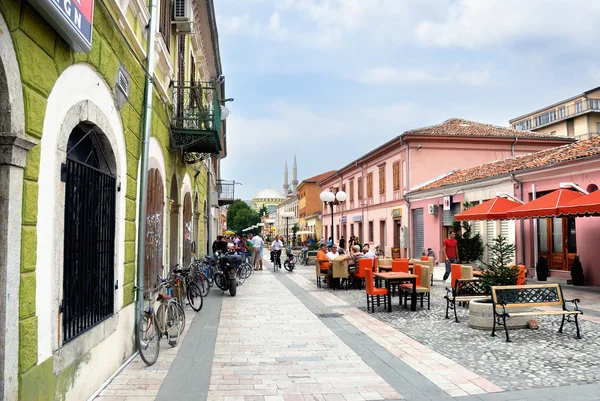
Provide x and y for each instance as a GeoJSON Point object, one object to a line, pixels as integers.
{"type": "Point", "coordinates": [287, 216]}
{"type": "Point", "coordinates": [270, 222]}
{"type": "Point", "coordinates": [330, 199]}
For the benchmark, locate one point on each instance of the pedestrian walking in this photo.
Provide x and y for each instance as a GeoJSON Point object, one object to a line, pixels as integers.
{"type": "Point", "coordinates": [257, 245]}
{"type": "Point", "coordinates": [451, 253]}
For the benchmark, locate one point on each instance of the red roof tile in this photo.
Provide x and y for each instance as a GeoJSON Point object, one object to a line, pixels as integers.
{"type": "Point", "coordinates": [547, 157]}
{"type": "Point", "coordinates": [319, 177]}
{"type": "Point", "coordinates": [461, 127]}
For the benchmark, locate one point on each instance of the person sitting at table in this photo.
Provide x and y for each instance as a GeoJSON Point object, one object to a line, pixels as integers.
{"type": "Point", "coordinates": [353, 258]}
{"type": "Point", "coordinates": [333, 253]}
{"type": "Point", "coordinates": [324, 262]}
{"type": "Point", "coordinates": [367, 252]}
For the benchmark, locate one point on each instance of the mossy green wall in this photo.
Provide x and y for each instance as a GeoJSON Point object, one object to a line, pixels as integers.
{"type": "Point", "coordinates": [42, 56]}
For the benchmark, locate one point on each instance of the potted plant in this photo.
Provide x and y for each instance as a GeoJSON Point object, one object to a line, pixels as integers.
{"type": "Point", "coordinates": [541, 269]}
{"type": "Point", "coordinates": [498, 272]}
{"type": "Point", "coordinates": [577, 272]}
{"type": "Point", "coordinates": [470, 247]}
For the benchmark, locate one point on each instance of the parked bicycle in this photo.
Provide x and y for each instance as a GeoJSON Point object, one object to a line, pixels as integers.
{"type": "Point", "coordinates": [187, 288]}
{"type": "Point", "coordinates": [291, 260]}
{"type": "Point", "coordinates": [379, 252]}
{"type": "Point", "coordinates": [303, 257]}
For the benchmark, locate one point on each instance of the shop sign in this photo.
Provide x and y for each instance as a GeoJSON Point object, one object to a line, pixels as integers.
{"type": "Point", "coordinates": [447, 203]}
{"type": "Point", "coordinates": [357, 217]}
{"type": "Point", "coordinates": [72, 19]}
{"type": "Point", "coordinates": [343, 220]}
{"type": "Point", "coordinates": [397, 212]}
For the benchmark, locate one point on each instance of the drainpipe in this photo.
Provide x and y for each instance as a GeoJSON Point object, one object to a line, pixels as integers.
{"type": "Point", "coordinates": [141, 243]}
{"type": "Point", "coordinates": [521, 222]}
{"type": "Point", "coordinates": [407, 236]}
{"type": "Point", "coordinates": [362, 203]}
{"type": "Point", "coordinates": [512, 147]}
{"type": "Point", "coordinates": [535, 230]}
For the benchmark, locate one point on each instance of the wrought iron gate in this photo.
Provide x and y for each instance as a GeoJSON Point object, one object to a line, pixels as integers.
{"type": "Point", "coordinates": [89, 244]}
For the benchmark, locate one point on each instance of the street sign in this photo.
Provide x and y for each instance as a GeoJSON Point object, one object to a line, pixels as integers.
{"type": "Point", "coordinates": [447, 203]}
{"type": "Point", "coordinates": [72, 19]}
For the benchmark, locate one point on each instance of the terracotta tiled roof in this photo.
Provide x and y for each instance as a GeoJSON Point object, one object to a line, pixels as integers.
{"type": "Point", "coordinates": [547, 157]}
{"type": "Point", "coordinates": [460, 127]}
{"type": "Point", "coordinates": [319, 177]}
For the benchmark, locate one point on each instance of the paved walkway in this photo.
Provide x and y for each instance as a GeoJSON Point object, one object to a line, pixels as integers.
{"type": "Point", "coordinates": [282, 339]}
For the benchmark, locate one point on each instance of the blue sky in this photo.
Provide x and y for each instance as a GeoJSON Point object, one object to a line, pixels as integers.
{"type": "Point", "coordinates": [329, 80]}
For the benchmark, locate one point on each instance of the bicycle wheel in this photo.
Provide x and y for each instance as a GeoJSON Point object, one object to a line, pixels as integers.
{"type": "Point", "coordinates": [210, 275]}
{"type": "Point", "coordinates": [194, 296]}
{"type": "Point", "coordinates": [203, 284]}
{"type": "Point", "coordinates": [248, 270]}
{"type": "Point", "coordinates": [181, 317]}
{"type": "Point", "coordinates": [241, 275]}
{"type": "Point", "coordinates": [148, 338]}
{"type": "Point", "coordinates": [220, 281]}
{"type": "Point", "coordinates": [172, 323]}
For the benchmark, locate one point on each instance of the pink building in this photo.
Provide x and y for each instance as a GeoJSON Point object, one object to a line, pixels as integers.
{"type": "Point", "coordinates": [375, 209]}
{"type": "Point", "coordinates": [558, 240]}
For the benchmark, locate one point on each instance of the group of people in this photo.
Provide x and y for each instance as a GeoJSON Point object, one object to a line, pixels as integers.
{"type": "Point", "coordinates": [326, 255]}
{"type": "Point", "coordinates": [251, 246]}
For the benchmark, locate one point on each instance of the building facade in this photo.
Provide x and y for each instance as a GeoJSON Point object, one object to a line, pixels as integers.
{"type": "Point", "coordinates": [284, 225]}
{"type": "Point", "coordinates": [71, 132]}
{"type": "Point", "coordinates": [375, 209]}
{"type": "Point", "coordinates": [576, 117]}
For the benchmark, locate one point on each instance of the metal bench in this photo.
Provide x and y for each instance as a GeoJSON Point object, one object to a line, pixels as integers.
{"type": "Point", "coordinates": [464, 290]}
{"type": "Point", "coordinates": [520, 296]}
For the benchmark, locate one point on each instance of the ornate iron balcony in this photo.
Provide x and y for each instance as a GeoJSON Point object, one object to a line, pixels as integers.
{"type": "Point", "coordinates": [196, 122]}
{"type": "Point", "coordinates": [226, 191]}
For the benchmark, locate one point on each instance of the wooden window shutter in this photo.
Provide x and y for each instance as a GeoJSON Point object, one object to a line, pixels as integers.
{"type": "Point", "coordinates": [382, 179]}
{"type": "Point", "coordinates": [360, 188]}
{"type": "Point", "coordinates": [351, 190]}
{"type": "Point", "coordinates": [396, 174]}
{"type": "Point", "coordinates": [369, 185]}
{"type": "Point", "coordinates": [165, 22]}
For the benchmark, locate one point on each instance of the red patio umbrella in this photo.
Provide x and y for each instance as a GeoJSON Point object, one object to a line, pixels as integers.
{"type": "Point", "coordinates": [546, 206]}
{"type": "Point", "coordinates": [493, 209]}
{"type": "Point", "coordinates": [588, 205]}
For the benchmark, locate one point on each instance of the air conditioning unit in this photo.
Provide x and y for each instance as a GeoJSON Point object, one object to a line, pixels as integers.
{"type": "Point", "coordinates": [432, 209]}
{"type": "Point", "coordinates": [182, 17]}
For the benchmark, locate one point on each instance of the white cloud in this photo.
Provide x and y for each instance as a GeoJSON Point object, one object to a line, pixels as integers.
{"type": "Point", "coordinates": [409, 76]}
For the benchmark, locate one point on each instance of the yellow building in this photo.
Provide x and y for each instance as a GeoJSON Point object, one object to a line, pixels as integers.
{"type": "Point", "coordinates": [578, 117]}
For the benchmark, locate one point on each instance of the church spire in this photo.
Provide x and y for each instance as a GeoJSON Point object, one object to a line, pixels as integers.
{"type": "Point", "coordinates": [286, 186]}
{"type": "Point", "coordinates": [294, 176]}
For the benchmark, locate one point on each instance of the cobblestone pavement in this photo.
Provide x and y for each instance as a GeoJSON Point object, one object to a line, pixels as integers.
{"type": "Point", "coordinates": [541, 358]}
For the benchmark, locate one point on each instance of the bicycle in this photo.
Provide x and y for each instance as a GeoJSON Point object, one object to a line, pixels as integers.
{"type": "Point", "coordinates": [303, 257]}
{"type": "Point", "coordinates": [152, 326]}
{"type": "Point", "coordinates": [199, 277]}
{"type": "Point", "coordinates": [378, 252]}
{"type": "Point", "coordinates": [188, 286]}
{"type": "Point", "coordinates": [276, 260]}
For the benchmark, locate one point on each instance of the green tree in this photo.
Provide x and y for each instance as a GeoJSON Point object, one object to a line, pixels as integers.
{"type": "Point", "coordinates": [262, 211]}
{"type": "Point", "coordinates": [295, 229]}
{"type": "Point", "coordinates": [470, 247]}
{"type": "Point", "coordinates": [241, 216]}
{"type": "Point", "coordinates": [498, 271]}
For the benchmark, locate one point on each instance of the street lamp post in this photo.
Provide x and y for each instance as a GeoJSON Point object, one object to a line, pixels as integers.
{"type": "Point", "coordinates": [270, 223]}
{"type": "Point", "coordinates": [287, 216]}
{"type": "Point", "coordinates": [329, 198]}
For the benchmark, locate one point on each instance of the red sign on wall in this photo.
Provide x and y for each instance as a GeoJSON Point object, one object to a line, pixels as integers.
{"type": "Point", "coordinates": [72, 19]}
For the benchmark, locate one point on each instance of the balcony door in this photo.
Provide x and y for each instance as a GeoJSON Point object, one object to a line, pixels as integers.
{"type": "Point", "coordinates": [557, 242]}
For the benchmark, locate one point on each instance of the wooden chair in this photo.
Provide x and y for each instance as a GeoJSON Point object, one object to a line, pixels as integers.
{"type": "Point", "coordinates": [373, 292]}
{"type": "Point", "coordinates": [423, 285]}
{"type": "Point", "coordinates": [319, 273]}
{"type": "Point", "coordinates": [466, 271]}
{"type": "Point", "coordinates": [339, 270]}
{"type": "Point", "coordinates": [385, 262]}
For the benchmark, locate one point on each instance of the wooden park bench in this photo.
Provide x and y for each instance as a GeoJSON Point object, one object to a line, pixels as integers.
{"type": "Point", "coordinates": [464, 290]}
{"type": "Point", "coordinates": [521, 296]}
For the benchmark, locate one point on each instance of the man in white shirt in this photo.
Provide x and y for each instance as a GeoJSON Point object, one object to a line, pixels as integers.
{"type": "Point", "coordinates": [367, 252]}
{"type": "Point", "coordinates": [276, 247]}
{"type": "Point", "coordinates": [333, 253]}
{"type": "Point", "coordinates": [257, 243]}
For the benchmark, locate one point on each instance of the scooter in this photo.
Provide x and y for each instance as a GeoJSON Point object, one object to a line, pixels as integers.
{"type": "Point", "coordinates": [291, 260]}
{"type": "Point", "coordinates": [226, 276]}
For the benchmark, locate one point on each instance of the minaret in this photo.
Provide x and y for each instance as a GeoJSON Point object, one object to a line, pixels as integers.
{"type": "Point", "coordinates": [294, 176]}
{"type": "Point", "coordinates": [286, 186]}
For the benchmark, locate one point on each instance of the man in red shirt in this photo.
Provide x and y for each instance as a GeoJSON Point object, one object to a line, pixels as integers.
{"type": "Point", "coordinates": [451, 253]}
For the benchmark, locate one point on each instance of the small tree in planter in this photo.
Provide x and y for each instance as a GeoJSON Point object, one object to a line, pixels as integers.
{"type": "Point", "coordinates": [577, 272]}
{"type": "Point", "coordinates": [541, 269]}
{"type": "Point", "coordinates": [498, 271]}
{"type": "Point", "coordinates": [470, 248]}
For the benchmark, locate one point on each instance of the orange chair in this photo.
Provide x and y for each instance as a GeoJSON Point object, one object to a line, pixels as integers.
{"type": "Point", "coordinates": [362, 265]}
{"type": "Point", "coordinates": [424, 258]}
{"type": "Point", "coordinates": [522, 275]}
{"type": "Point", "coordinates": [373, 292]}
{"type": "Point", "coordinates": [375, 265]}
{"type": "Point", "coordinates": [400, 266]}
{"type": "Point", "coordinates": [455, 273]}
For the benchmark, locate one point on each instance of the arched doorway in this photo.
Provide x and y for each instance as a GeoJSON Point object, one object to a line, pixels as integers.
{"type": "Point", "coordinates": [197, 225]}
{"type": "Point", "coordinates": [89, 231]}
{"type": "Point", "coordinates": [206, 233]}
{"type": "Point", "coordinates": [174, 224]}
{"type": "Point", "coordinates": [187, 229]}
{"type": "Point", "coordinates": [153, 266]}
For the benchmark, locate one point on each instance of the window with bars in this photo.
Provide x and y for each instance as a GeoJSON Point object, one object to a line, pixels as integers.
{"type": "Point", "coordinates": [360, 188]}
{"type": "Point", "coordinates": [351, 185]}
{"type": "Point", "coordinates": [369, 185]}
{"type": "Point", "coordinates": [396, 175]}
{"type": "Point", "coordinates": [382, 180]}
{"type": "Point", "coordinates": [165, 22]}
{"type": "Point", "coordinates": [370, 231]}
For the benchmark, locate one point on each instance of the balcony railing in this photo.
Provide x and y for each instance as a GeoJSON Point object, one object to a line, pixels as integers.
{"type": "Point", "coordinates": [226, 190]}
{"type": "Point", "coordinates": [196, 121]}
{"type": "Point", "coordinates": [558, 114]}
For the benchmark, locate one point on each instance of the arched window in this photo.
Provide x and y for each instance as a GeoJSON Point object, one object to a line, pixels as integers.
{"type": "Point", "coordinates": [89, 231]}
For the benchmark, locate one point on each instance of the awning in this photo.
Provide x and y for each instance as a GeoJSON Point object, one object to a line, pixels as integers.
{"type": "Point", "coordinates": [588, 205]}
{"type": "Point", "coordinates": [546, 206]}
{"type": "Point", "coordinates": [493, 209]}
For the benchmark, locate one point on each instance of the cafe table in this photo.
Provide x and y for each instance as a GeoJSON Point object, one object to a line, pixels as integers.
{"type": "Point", "coordinates": [399, 277]}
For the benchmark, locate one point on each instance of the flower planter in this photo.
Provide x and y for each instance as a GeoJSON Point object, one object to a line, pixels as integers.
{"type": "Point", "coordinates": [481, 316]}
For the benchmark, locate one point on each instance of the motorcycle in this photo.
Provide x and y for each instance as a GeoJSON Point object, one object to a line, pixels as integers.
{"type": "Point", "coordinates": [226, 276]}
{"type": "Point", "coordinates": [291, 260]}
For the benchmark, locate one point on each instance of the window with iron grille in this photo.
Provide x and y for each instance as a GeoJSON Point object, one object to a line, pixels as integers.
{"type": "Point", "coordinates": [396, 175]}
{"type": "Point", "coordinates": [370, 231]}
{"type": "Point", "coordinates": [89, 233]}
{"type": "Point", "coordinates": [165, 22]}
{"type": "Point", "coordinates": [359, 183]}
{"type": "Point", "coordinates": [369, 185]}
{"type": "Point", "coordinates": [351, 190]}
{"type": "Point", "coordinates": [382, 180]}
